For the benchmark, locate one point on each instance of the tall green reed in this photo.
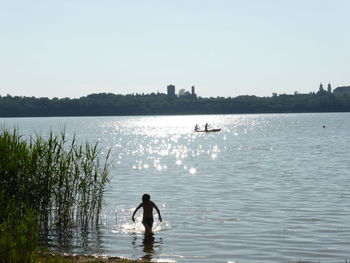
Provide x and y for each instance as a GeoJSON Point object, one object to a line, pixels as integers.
{"type": "Point", "coordinates": [61, 182]}
{"type": "Point", "coordinates": [19, 236]}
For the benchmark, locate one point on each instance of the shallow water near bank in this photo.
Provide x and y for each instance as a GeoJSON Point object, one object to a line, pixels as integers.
{"type": "Point", "coordinates": [267, 188]}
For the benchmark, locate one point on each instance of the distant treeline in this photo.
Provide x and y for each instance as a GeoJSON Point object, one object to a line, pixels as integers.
{"type": "Point", "coordinates": [108, 104]}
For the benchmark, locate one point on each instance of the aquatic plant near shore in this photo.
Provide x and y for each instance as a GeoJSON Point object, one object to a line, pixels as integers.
{"type": "Point", "coordinates": [61, 183]}
{"type": "Point", "coordinates": [18, 235]}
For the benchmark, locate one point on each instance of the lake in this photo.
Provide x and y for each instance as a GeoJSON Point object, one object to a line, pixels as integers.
{"type": "Point", "coordinates": [267, 188]}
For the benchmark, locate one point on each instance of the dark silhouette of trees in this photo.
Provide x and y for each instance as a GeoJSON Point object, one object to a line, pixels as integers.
{"type": "Point", "coordinates": [108, 104]}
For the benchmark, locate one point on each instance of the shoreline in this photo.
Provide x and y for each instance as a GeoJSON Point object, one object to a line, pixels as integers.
{"type": "Point", "coordinates": [86, 258]}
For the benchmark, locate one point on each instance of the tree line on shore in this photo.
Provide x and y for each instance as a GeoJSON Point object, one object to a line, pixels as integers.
{"type": "Point", "coordinates": [108, 104]}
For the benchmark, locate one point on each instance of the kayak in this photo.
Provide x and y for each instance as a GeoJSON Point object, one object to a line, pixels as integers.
{"type": "Point", "coordinates": [212, 130]}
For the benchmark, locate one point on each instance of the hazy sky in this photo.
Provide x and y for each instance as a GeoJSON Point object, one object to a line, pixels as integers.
{"type": "Point", "coordinates": [72, 48]}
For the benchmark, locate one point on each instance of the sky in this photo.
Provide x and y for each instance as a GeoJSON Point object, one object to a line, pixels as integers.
{"type": "Point", "coordinates": [72, 48]}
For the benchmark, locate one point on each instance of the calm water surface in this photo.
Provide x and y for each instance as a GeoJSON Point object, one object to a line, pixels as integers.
{"type": "Point", "coordinates": [268, 188]}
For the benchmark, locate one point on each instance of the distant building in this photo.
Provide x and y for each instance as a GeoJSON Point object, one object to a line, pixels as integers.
{"type": "Point", "coordinates": [171, 90]}
{"type": "Point", "coordinates": [329, 88]}
{"type": "Point", "coordinates": [342, 90]}
{"type": "Point", "coordinates": [321, 88]}
{"type": "Point", "coordinates": [182, 92]}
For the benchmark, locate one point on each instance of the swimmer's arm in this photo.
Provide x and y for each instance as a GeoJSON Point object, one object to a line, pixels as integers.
{"type": "Point", "coordinates": [133, 215]}
{"type": "Point", "coordinates": [157, 209]}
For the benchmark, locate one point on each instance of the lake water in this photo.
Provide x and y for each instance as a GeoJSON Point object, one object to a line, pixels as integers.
{"type": "Point", "coordinates": [267, 188]}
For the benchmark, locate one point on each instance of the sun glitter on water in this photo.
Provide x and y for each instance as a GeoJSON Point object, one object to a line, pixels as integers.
{"type": "Point", "coordinates": [192, 170]}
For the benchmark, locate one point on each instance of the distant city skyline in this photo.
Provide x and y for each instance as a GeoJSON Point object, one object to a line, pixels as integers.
{"type": "Point", "coordinates": [223, 48]}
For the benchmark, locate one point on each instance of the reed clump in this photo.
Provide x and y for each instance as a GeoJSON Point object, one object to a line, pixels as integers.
{"type": "Point", "coordinates": [46, 184]}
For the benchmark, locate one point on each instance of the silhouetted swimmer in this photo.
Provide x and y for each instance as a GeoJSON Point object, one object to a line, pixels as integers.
{"type": "Point", "coordinates": [147, 219]}
{"type": "Point", "coordinates": [324, 126]}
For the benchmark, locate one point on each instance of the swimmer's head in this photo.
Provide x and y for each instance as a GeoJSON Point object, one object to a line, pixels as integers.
{"type": "Point", "coordinates": [146, 197]}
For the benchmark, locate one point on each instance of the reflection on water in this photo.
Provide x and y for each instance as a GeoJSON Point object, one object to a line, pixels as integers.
{"type": "Point", "coordinates": [150, 244]}
{"type": "Point", "coordinates": [74, 240]}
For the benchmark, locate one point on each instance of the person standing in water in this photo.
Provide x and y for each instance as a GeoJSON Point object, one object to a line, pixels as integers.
{"type": "Point", "coordinates": [147, 219]}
